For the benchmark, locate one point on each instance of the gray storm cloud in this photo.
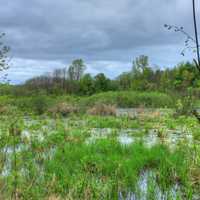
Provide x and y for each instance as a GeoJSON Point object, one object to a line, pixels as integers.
{"type": "Point", "coordinates": [106, 31]}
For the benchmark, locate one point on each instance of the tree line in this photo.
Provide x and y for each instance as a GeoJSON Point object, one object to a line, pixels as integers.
{"type": "Point", "coordinates": [142, 77]}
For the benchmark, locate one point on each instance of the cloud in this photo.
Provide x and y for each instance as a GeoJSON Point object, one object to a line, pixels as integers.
{"type": "Point", "coordinates": [47, 33]}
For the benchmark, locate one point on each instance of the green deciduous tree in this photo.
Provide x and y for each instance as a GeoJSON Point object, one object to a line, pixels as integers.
{"type": "Point", "coordinates": [140, 64]}
{"type": "Point", "coordinates": [125, 80]}
{"type": "Point", "coordinates": [142, 74]}
{"type": "Point", "coordinates": [101, 83]}
{"type": "Point", "coordinates": [87, 85]}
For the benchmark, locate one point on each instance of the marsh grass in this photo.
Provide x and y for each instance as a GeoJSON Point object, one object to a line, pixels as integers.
{"type": "Point", "coordinates": [63, 166]}
{"type": "Point", "coordinates": [108, 160]}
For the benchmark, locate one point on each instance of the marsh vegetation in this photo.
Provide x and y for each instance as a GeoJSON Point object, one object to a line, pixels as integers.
{"type": "Point", "coordinates": [129, 153]}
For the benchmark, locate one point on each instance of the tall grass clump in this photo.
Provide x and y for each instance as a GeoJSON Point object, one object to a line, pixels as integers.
{"type": "Point", "coordinates": [104, 169]}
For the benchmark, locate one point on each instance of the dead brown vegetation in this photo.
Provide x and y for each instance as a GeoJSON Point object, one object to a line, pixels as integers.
{"type": "Point", "coordinates": [63, 109]}
{"type": "Point", "coordinates": [103, 110]}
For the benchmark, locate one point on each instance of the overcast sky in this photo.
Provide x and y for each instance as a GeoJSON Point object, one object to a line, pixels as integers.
{"type": "Point", "coordinates": [107, 34]}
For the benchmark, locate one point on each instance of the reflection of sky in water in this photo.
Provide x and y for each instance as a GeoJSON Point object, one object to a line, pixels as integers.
{"type": "Point", "coordinates": [151, 138]}
{"type": "Point", "coordinates": [147, 185]}
{"type": "Point", "coordinates": [134, 112]}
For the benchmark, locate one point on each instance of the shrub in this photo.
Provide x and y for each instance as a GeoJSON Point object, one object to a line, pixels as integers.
{"type": "Point", "coordinates": [63, 109]}
{"type": "Point", "coordinates": [184, 106]}
{"type": "Point", "coordinates": [102, 109]}
{"type": "Point", "coordinates": [7, 109]}
{"type": "Point", "coordinates": [3, 109]}
{"type": "Point", "coordinates": [40, 104]}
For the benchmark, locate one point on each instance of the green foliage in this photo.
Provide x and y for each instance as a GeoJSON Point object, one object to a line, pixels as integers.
{"type": "Point", "coordinates": [130, 99]}
{"type": "Point", "coordinates": [40, 104]}
{"type": "Point", "coordinates": [101, 83]}
{"type": "Point", "coordinates": [87, 86]}
{"type": "Point", "coordinates": [185, 105]}
{"type": "Point", "coordinates": [145, 87]}
{"type": "Point", "coordinates": [35, 104]}
{"type": "Point", "coordinates": [125, 80]}
{"type": "Point", "coordinates": [142, 77]}
{"type": "Point", "coordinates": [185, 76]}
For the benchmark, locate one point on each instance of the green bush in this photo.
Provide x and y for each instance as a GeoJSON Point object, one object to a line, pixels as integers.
{"type": "Point", "coordinates": [36, 104]}
{"type": "Point", "coordinates": [40, 104]}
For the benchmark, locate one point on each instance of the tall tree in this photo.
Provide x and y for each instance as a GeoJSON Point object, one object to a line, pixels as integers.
{"type": "Point", "coordinates": [142, 74]}
{"type": "Point", "coordinates": [76, 70]}
{"type": "Point", "coordinates": [140, 63]}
